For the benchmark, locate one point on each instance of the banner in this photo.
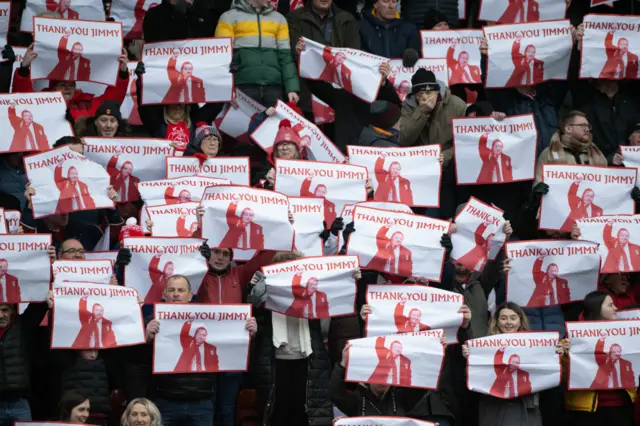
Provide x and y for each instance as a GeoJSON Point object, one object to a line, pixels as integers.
{"type": "Point", "coordinates": [390, 360]}
{"type": "Point", "coordinates": [610, 47]}
{"type": "Point", "coordinates": [95, 316]}
{"type": "Point", "coordinates": [65, 182]}
{"type": "Point", "coordinates": [313, 287]}
{"type": "Point", "coordinates": [619, 241]}
{"type": "Point", "coordinates": [246, 218]}
{"type": "Point", "coordinates": [400, 75]}
{"type": "Point", "coordinates": [76, 50]}
{"type": "Point", "coordinates": [129, 161]}
{"type": "Point", "coordinates": [131, 14]}
{"type": "Point", "coordinates": [338, 184]}
{"type": "Point", "coordinates": [187, 71]}
{"type": "Point", "coordinates": [513, 365]}
{"type": "Point", "coordinates": [604, 355]}
{"type": "Point", "coordinates": [82, 271]}
{"type": "Point", "coordinates": [25, 269]}
{"type": "Point", "coordinates": [89, 10]}
{"type": "Point", "coordinates": [631, 157]}
{"type": "Point", "coordinates": [235, 169]}
{"type": "Point", "coordinates": [155, 260]}
{"type": "Point", "coordinates": [579, 192]}
{"type": "Point", "coordinates": [322, 113]}
{"type": "Point", "coordinates": [461, 48]}
{"type": "Point", "coordinates": [410, 176]}
{"type": "Point", "coordinates": [5, 13]}
{"type": "Point", "coordinates": [350, 69]}
{"type": "Point", "coordinates": [628, 314]}
{"type": "Point", "coordinates": [479, 235]}
{"type": "Point", "coordinates": [488, 151]}
{"type": "Point", "coordinates": [102, 255]}
{"type": "Point", "coordinates": [12, 218]}
{"type": "Point", "coordinates": [528, 54]}
{"type": "Point", "coordinates": [4, 229]}
{"type": "Point", "coordinates": [412, 308]}
{"type": "Point", "coordinates": [308, 214]}
{"type": "Point", "coordinates": [609, 3]}
{"type": "Point", "coordinates": [561, 271]}
{"type": "Point", "coordinates": [315, 144]}
{"type": "Point", "coordinates": [381, 421]}
{"type": "Point", "coordinates": [235, 121]}
{"type": "Point", "coordinates": [398, 243]}
{"type": "Point", "coordinates": [347, 210]}
{"type": "Point", "coordinates": [521, 11]}
{"type": "Point", "coordinates": [174, 220]}
{"type": "Point", "coordinates": [201, 338]}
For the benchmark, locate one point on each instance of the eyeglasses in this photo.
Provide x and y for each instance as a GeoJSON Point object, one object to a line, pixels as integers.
{"type": "Point", "coordinates": [73, 251]}
{"type": "Point", "coordinates": [583, 125]}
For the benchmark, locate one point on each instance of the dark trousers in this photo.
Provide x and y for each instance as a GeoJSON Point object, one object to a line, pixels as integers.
{"type": "Point", "coordinates": [291, 393]}
{"type": "Point", "coordinates": [14, 409]}
{"type": "Point", "coordinates": [603, 416]}
{"type": "Point", "coordinates": [181, 413]}
{"type": "Point", "coordinates": [226, 397]}
{"type": "Point", "coordinates": [266, 95]}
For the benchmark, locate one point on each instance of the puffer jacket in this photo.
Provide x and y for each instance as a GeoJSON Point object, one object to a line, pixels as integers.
{"type": "Point", "coordinates": [388, 39]}
{"type": "Point", "coordinates": [414, 10]}
{"type": "Point", "coordinates": [90, 377]}
{"type": "Point", "coordinates": [264, 59]}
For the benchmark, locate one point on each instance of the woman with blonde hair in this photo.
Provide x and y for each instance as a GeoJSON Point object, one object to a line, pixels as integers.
{"type": "Point", "coordinates": [141, 412]}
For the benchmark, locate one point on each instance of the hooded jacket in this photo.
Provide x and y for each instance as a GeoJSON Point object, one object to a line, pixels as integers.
{"type": "Point", "coordinates": [388, 39]}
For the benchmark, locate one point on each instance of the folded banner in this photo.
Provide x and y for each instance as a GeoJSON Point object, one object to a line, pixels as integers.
{"type": "Point", "coordinates": [76, 50]}
{"type": "Point", "coordinates": [32, 121]}
{"type": "Point", "coordinates": [322, 113]}
{"type": "Point", "coordinates": [521, 11]}
{"type": "Point", "coordinates": [312, 144]}
{"type": "Point", "coordinates": [513, 365]}
{"type": "Point", "coordinates": [246, 218]}
{"type": "Point", "coordinates": [389, 360]}
{"type": "Point", "coordinates": [631, 157]}
{"type": "Point", "coordinates": [174, 220]}
{"type": "Point", "coordinates": [347, 210]}
{"type": "Point", "coordinates": [13, 221]}
{"type": "Point", "coordinates": [461, 48]}
{"type": "Point", "coordinates": [350, 69]}
{"type": "Point", "coordinates": [412, 308]}
{"type": "Point", "coordinates": [528, 54]}
{"type": "Point", "coordinates": [201, 338]}
{"type": "Point", "coordinates": [628, 314]}
{"type": "Point", "coordinates": [129, 161]}
{"type": "Point", "coordinates": [155, 260]}
{"type": "Point", "coordinates": [605, 355]}
{"type": "Point", "coordinates": [5, 13]}
{"type": "Point", "coordinates": [187, 71]}
{"type": "Point", "coordinates": [102, 255]}
{"type": "Point", "coordinates": [66, 181]}
{"type": "Point", "coordinates": [235, 121]}
{"type": "Point", "coordinates": [25, 269]}
{"type": "Point", "coordinates": [82, 271]}
{"type": "Point", "coordinates": [608, 47]}
{"type": "Point", "coordinates": [479, 235]}
{"type": "Point", "coordinates": [235, 169]}
{"type": "Point", "coordinates": [400, 75]}
{"type": "Point", "coordinates": [381, 421]}
{"type": "Point", "coordinates": [308, 215]}
{"type": "Point", "coordinates": [398, 243]}
{"type": "Point", "coordinates": [131, 14]}
{"type": "Point", "coordinates": [488, 151]}
{"type": "Point", "coordinates": [313, 287]}
{"type": "Point", "coordinates": [578, 192]}
{"type": "Point", "coordinates": [89, 10]}
{"type": "Point", "coordinates": [338, 184]}
{"type": "Point", "coordinates": [561, 271]}
{"type": "Point", "coordinates": [619, 239]}
{"type": "Point", "coordinates": [410, 176]}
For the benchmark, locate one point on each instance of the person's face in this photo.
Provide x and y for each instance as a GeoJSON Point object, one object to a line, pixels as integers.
{"type": "Point", "coordinates": [462, 272]}
{"type": "Point", "coordinates": [286, 150]}
{"type": "Point", "coordinates": [68, 89]}
{"type": "Point", "coordinates": [187, 70]}
{"type": "Point", "coordinates": [508, 321]}
{"type": "Point", "coordinates": [414, 316]}
{"type": "Point", "coordinates": [552, 272]}
{"type": "Point", "coordinates": [497, 148]}
{"type": "Point", "coordinates": [73, 175]}
{"type": "Point", "coordinates": [588, 197]}
{"type": "Point", "coordinates": [168, 269]}
{"type": "Point", "coordinates": [27, 117]}
{"type": "Point", "coordinates": [340, 58]}
{"type": "Point", "coordinates": [634, 138]}
{"type": "Point", "coordinates": [177, 291]}
{"type": "Point", "coordinates": [321, 191]}
{"type": "Point", "coordinates": [322, 5]}
{"type": "Point", "coordinates": [77, 49]}
{"type": "Point", "coordinates": [6, 311]}
{"type": "Point", "coordinates": [176, 112]}
{"type": "Point", "coordinates": [395, 170]}
{"type": "Point", "coordinates": [139, 416]}
{"type": "Point", "coordinates": [247, 216]}
{"type": "Point", "coordinates": [608, 309]}
{"type": "Point", "coordinates": [210, 146]}
{"type": "Point", "coordinates": [530, 53]}
{"type": "Point", "coordinates": [615, 353]}
{"type": "Point", "coordinates": [579, 129]}
{"type": "Point", "coordinates": [623, 236]}
{"type": "Point", "coordinates": [623, 45]}
{"type": "Point", "coordinates": [80, 413]}
{"type": "Point", "coordinates": [429, 96]}
{"type": "Point", "coordinates": [463, 59]}
{"type": "Point", "coordinates": [441, 26]}
{"type": "Point", "coordinates": [185, 196]}
{"type": "Point", "coordinates": [397, 239]}
{"type": "Point", "coordinates": [89, 355]}
{"type": "Point", "coordinates": [220, 259]}
{"type": "Point", "coordinates": [72, 250]}
{"type": "Point", "coordinates": [396, 349]}
{"type": "Point", "coordinates": [98, 312]}
{"type": "Point", "coordinates": [4, 267]}
{"type": "Point", "coordinates": [127, 169]}
{"type": "Point", "coordinates": [386, 9]}
{"type": "Point", "coordinates": [618, 283]}
{"type": "Point", "coordinates": [107, 126]}
{"type": "Point", "coordinates": [201, 336]}
{"type": "Point", "coordinates": [514, 362]}
{"type": "Point", "coordinates": [312, 286]}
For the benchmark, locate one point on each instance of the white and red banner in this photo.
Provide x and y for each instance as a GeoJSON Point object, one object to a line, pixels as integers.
{"type": "Point", "coordinates": [619, 239]}
{"type": "Point", "coordinates": [390, 360]}
{"type": "Point", "coordinates": [412, 308]}
{"type": "Point", "coordinates": [235, 169]}
{"type": "Point", "coordinates": [5, 13]}
{"type": "Point", "coordinates": [174, 220]}
{"type": "Point", "coordinates": [111, 256]}
{"type": "Point", "coordinates": [308, 215]}
{"type": "Point", "coordinates": [155, 260]}
{"type": "Point", "coordinates": [25, 269]}
{"type": "Point", "coordinates": [409, 175]}
{"type": "Point", "coordinates": [400, 75]}
{"type": "Point", "coordinates": [322, 113]}
{"type": "Point", "coordinates": [246, 218]}
{"type": "Point", "coordinates": [350, 69]}
{"type": "Point", "coordinates": [338, 184]}
{"type": "Point", "coordinates": [201, 338]}
{"type": "Point", "coordinates": [605, 355]}
{"type": "Point", "coordinates": [528, 54]}
{"type": "Point", "coordinates": [66, 181]}
{"type": "Point", "coordinates": [551, 272]}
{"type": "Point", "coordinates": [398, 243]}
{"type": "Point", "coordinates": [347, 210]}
{"type": "Point", "coordinates": [631, 157]}
{"type": "Point", "coordinates": [610, 47]}
{"type": "Point", "coordinates": [521, 11]}
{"type": "Point", "coordinates": [32, 121]}
{"type": "Point", "coordinates": [381, 421]}
{"type": "Point", "coordinates": [187, 71]}
{"type": "Point", "coordinates": [4, 227]}
{"type": "Point", "coordinates": [131, 14]}
{"type": "Point", "coordinates": [76, 50]}
{"type": "Point", "coordinates": [609, 3]}
{"type": "Point", "coordinates": [461, 48]}
{"type": "Point", "coordinates": [129, 107]}
{"type": "Point", "coordinates": [479, 235]}
{"type": "Point", "coordinates": [89, 10]}
{"type": "Point", "coordinates": [313, 287]}
{"type": "Point", "coordinates": [82, 271]}
{"type": "Point", "coordinates": [628, 314]}
{"type": "Point", "coordinates": [513, 365]}
{"type": "Point", "coordinates": [235, 121]}
{"type": "Point", "coordinates": [314, 144]}
{"type": "Point", "coordinates": [579, 192]}
{"type": "Point", "coordinates": [491, 152]}
{"type": "Point", "coordinates": [13, 221]}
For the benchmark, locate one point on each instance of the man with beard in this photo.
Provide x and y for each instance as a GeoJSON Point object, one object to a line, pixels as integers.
{"type": "Point", "coordinates": [528, 70]}
{"type": "Point", "coordinates": [621, 64]}
{"type": "Point", "coordinates": [308, 302]}
{"type": "Point", "coordinates": [461, 71]}
{"type": "Point", "coordinates": [511, 381]}
{"type": "Point", "coordinates": [614, 372]}
{"type": "Point", "coordinates": [623, 256]}
{"type": "Point", "coordinates": [27, 134]}
{"type": "Point", "coordinates": [71, 66]}
{"type": "Point", "coordinates": [74, 194]}
{"type": "Point", "coordinates": [393, 368]}
{"type": "Point", "coordinates": [122, 179]}
{"type": "Point", "coordinates": [550, 289]}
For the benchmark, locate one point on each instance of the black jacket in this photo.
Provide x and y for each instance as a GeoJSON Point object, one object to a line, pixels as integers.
{"type": "Point", "coordinates": [370, 136]}
{"type": "Point", "coordinates": [414, 10]}
{"type": "Point", "coordinates": [164, 22]}
{"type": "Point", "coordinates": [388, 39]}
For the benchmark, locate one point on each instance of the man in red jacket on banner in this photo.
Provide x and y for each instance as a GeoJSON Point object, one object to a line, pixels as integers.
{"type": "Point", "coordinates": [520, 12]}
{"type": "Point", "coordinates": [197, 355]}
{"type": "Point", "coordinates": [614, 372]}
{"type": "Point", "coordinates": [181, 227]}
{"type": "Point", "coordinates": [158, 279]}
{"type": "Point", "coordinates": [320, 192]}
{"type": "Point", "coordinates": [138, 12]}
{"type": "Point", "coordinates": [123, 180]}
{"type": "Point", "coordinates": [27, 134]}
{"type": "Point", "coordinates": [96, 331]}
{"type": "Point", "coordinates": [243, 232]}
{"type": "Point", "coordinates": [393, 368]}
{"type": "Point", "coordinates": [477, 257]}
{"type": "Point", "coordinates": [580, 207]}
{"type": "Point", "coordinates": [511, 381]}
{"type": "Point", "coordinates": [392, 186]}
{"type": "Point", "coordinates": [74, 194]}
{"type": "Point", "coordinates": [308, 302]}
{"type": "Point", "coordinates": [412, 322]}
{"type": "Point", "coordinates": [623, 256]}
{"type": "Point", "coordinates": [461, 71]}
{"type": "Point", "coordinates": [72, 66]}
{"type": "Point", "coordinates": [63, 8]}
{"type": "Point", "coordinates": [528, 70]}
{"type": "Point", "coordinates": [185, 87]}
{"type": "Point", "coordinates": [9, 285]}
{"type": "Point", "coordinates": [496, 166]}
{"type": "Point", "coordinates": [620, 64]}
{"type": "Point", "coordinates": [170, 196]}
{"type": "Point", "coordinates": [550, 289]}
{"type": "Point", "coordinates": [392, 257]}
{"type": "Point", "coordinates": [335, 71]}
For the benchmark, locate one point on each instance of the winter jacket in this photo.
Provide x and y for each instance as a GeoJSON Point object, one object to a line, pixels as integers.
{"type": "Point", "coordinates": [373, 136]}
{"type": "Point", "coordinates": [547, 319]}
{"type": "Point", "coordinates": [164, 22]}
{"type": "Point", "coordinates": [414, 10]}
{"type": "Point", "coordinates": [261, 46]}
{"type": "Point", "coordinates": [524, 411]}
{"type": "Point", "coordinates": [388, 39]}
{"type": "Point", "coordinates": [13, 180]}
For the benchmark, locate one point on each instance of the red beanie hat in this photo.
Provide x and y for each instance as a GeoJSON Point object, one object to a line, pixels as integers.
{"type": "Point", "coordinates": [286, 134]}
{"type": "Point", "coordinates": [131, 229]}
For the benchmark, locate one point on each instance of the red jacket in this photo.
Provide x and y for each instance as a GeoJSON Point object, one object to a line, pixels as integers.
{"type": "Point", "coordinates": [329, 207]}
{"type": "Point", "coordinates": [68, 193]}
{"type": "Point", "coordinates": [522, 68]}
{"type": "Point", "coordinates": [302, 301]}
{"type": "Point", "coordinates": [386, 185]}
{"type": "Point", "coordinates": [509, 15]}
{"type": "Point", "coordinates": [544, 287]}
{"type": "Point", "coordinates": [234, 236]}
{"type": "Point", "coordinates": [89, 328]}
{"type": "Point", "coordinates": [617, 253]}
{"type": "Point", "coordinates": [178, 84]}
{"type": "Point", "coordinates": [67, 61]}
{"type": "Point", "coordinates": [489, 165]}
{"type": "Point", "coordinates": [189, 351]}
{"type": "Point", "coordinates": [458, 72]}
{"type": "Point", "coordinates": [615, 62]}
{"type": "Point", "coordinates": [478, 254]}
{"type": "Point", "coordinates": [21, 134]}
{"type": "Point", "coordinates": [53, 6]}
{"type": "Point", "coordinates": [329, 71]}
{"type": "Point", "coordinates": [402, 322]}
{"type": "Point", "coordinates": [578, 209]}
{"type": "Point", "coordinates": [504, 378]}
{"type": "Point", "coordinates": [183, 231]}
{"type": "Point", "coordinates": [12, 286]}
{"type": "Point", "coordinates": [385, 367]}
{"type": "Point", "coordinates": [118, 182]}
{"type": "Point", "coordinates": [606, 368]}
{"type": "Point", "coordinates": [385, 254]}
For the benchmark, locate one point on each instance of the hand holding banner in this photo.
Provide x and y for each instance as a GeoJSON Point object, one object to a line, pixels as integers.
{"type": "Point", "coordinates": [234, 169]}
{"type": "Point", "coordinates": [174, 220]}
{"type": "Point", "coordinates": [82, 271]}
{"type": "Point", "coordinates": [619, 241]}
{"type": "Point", "coordinates": [461, 48]}
{"type": "Point", "coordinates": [308, 214]}
{"type": "Point", "coordinates": [25, 267]}
{"type": "Point", "coordinates": [400, 75]}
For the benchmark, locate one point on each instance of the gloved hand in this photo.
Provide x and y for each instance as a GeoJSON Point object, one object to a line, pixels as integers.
{"type": "Point", "coordinates": [536, 194]}
{"type": "Point", "coordinates": [9, 54]}
{"type": "Point", "coordinates": [68, 116]}
{"type": "Point", "coordinates": [205, 251]}
{"type": "Point", "coordinates": [325, 232]}
{"type": "Point", "coordinates": [124, 257]}
{"type": "Point", "coordinates": [346, 233]}
{"type": "Point", "coordinates": [635, 194]}
{"type": "Point", "coordinates": [140, 69]}
{"type": "Point", "coordinates": [337, 226]}
{"type": "Point", "coordinates": [445, 242]}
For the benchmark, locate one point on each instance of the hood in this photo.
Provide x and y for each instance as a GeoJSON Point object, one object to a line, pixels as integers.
{"type": "Point", "coordinates": [371, 136]}
{"type": "Point", "coordinates": [445, 94]}
{"type": "Point", "coordinates": [244, 6]}
{"type": "Point", "coordinates": [370, 16]}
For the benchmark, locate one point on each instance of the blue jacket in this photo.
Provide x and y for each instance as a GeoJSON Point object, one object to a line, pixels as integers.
{"type": "Point", "coordinates": [388, 39]}
{"type": "Point", "coordinates": [546, 319]}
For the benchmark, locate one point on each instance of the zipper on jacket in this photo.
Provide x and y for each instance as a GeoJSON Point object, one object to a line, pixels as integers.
{"type": "Point", "coordinates": [259, 31]}
{"type": "Point", "coordinates": [595, 401]}
{"type": "Point", "coordinates": [219, 290]}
